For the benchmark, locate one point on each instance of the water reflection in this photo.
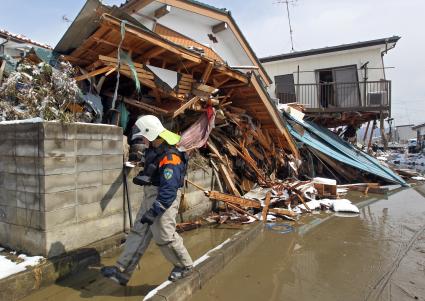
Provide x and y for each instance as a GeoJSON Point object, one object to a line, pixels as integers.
{"type": "Point", "coordinates": [339, 259]}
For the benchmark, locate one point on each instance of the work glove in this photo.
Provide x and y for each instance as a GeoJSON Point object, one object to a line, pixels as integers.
{"type": "Point", "coordinates": [148, 217]}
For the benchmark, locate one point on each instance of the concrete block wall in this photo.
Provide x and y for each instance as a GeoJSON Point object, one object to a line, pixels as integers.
{"type": "Point", "coordinates": [61, 186]}
{"type": "Point", "coordinates": [195, 202]}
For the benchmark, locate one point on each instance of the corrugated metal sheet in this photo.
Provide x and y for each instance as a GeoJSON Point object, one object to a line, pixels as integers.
{"type": "Point", "coordinates": [326, 142]}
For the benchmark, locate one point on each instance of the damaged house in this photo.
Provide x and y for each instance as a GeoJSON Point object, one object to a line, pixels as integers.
{"type": "Point", "coordinates": [163, 68]}
{"type": "Point", "coordinates": [131, 61]}
{"type": "Point", "coordinates": [337, 85]}
{"type": "Point", "coordinates": [13, 47]}
{"type": "Point", "coordinates": [17, 46]}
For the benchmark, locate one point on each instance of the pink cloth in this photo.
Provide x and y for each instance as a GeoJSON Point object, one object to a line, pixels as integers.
{"type": "Point", "coordinates": [197, 134]}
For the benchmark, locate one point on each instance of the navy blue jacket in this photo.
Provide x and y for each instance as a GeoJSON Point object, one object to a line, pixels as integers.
{"type": "Point", "coordinates": [171, 172]}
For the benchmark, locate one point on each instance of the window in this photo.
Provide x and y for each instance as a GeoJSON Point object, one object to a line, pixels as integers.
{"type": "Point", "coordinates": [338, 87]}
{"type": "Point", "coordinates": [285, 88]}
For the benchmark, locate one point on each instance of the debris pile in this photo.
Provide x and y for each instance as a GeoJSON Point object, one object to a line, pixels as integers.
{"type": "Point", "coordinates": [38, 89]}
{"type": "Point", "coordinates": [287, 200]}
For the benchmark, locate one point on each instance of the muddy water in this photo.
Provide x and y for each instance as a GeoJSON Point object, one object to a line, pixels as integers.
{"type": "Point", "coordinates": [154, 270]}
{"type": "Point", "coordinates": [377, 255]}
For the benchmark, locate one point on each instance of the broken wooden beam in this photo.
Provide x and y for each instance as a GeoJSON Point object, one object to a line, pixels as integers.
{"type": "Point", "coordinates": [228, 179]}
{"type": "Point", "coordinates": [196, 185]}
{"type": "Point", "coordinates": [93, 73]}
{"type": "Point", "coordinates": [280, 211]}
{"type": "Point", "coordinates": [236, 208]}
{"type": "Point", "coordinates": [185, 106]}
{"type": "Point", "coordinates": [227, 198]}
{"type": "Point", "coordinates": [207, 72]}
{"type": "Point", "coordinates": [266, 207]}
{"type": "Point", "coordinates": [145, 106]}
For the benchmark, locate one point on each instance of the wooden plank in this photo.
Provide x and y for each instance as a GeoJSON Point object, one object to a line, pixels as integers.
{"type": "Point", "coordinates": [196, 185]}
{"type": "Point", "coordinates": [162, 11]}
{"type": "Point", "coordinates": [233, 86]}
{"type": "Point", "coordinates": [207, 72]}
{"type": "Point", "coordinates": [248, 159]}
{"type": "Point", "coordinates": [280, 211]}
{"type": "Point", "coordinates": [183, 85]}
{"type": "Point", "coordinates": [236, 208]}
{"type": "Point", "coordinates": [275, 117]}
{"type": "Point", "coordinates": [93, 73]}
{"type": "Point", "coordinates": [155, 51]}
{"type": "Point", "coordinates": [302, 201]}
{"type": "Point", "coordinates": [266, 207]}
{"type": "Point", "coordinates": [157, 96]}
{"type": "Point", "coordinates": [149, 83]}
{"type": "Point", "coordinates": [236, 200]}
{"type": "Point", "coordinates": [204, 88]}
{"type": "Point", "coordinates": [236, 75]}
{"type": "Point", "coordinates": [220, 27]}
{"type": "Point", "coordinates": [145, 106]}
{"type": "Point", "coordinates": [214, 150]}
{"type": "Point", "coordinates": [228, 179]}
{"type": "Point", "coordinates": [185, 106]}
{"type": "Point", "coordinates": [186, 76]}
{"type": "Point", "coordinates": [115, 60]}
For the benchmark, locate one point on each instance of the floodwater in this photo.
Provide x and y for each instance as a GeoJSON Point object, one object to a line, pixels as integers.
{"type": "Point", "coordinates": [154, 270]}
{"type": "Point", "coordinates": [376, 255]}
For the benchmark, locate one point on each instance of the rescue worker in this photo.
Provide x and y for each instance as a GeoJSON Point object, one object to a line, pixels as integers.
{"type": "Point", "coordinates": [162, 176]}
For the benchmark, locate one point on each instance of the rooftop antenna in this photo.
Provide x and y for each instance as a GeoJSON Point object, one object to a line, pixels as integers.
{"type": "Point", "coordinates": [291, 32]}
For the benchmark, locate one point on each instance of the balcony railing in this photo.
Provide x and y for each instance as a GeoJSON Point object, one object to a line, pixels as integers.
{"type": "Point", "coordinates": [371, 95]}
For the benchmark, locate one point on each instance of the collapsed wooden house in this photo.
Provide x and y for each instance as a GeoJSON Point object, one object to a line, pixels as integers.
{"type": "Point", "coordinates": [172, 76]}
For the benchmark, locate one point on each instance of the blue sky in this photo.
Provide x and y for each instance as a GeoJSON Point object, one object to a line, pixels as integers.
{"type": "Point", "coordinates": [264, 23]}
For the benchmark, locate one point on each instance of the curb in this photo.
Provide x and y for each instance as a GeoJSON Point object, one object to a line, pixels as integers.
{"type": "Point", "coordinates": [205, 268]}
{"type": "Point", "coordinates": [22, 284]}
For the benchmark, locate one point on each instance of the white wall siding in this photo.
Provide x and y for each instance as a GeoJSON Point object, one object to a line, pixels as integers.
{"type": "Point", "coordinates": [405, 133]}
{"type": "Point", "coordinates": [198, 27]}
{"type": "Point", "coordinates": [329, 60]}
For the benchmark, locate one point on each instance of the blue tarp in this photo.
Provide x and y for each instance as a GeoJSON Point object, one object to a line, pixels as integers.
{"type": "Point", "coordinates": [328, 143]}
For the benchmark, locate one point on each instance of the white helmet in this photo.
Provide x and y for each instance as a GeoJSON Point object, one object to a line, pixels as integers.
{"type": "Point", "coordinates": [151, 127]}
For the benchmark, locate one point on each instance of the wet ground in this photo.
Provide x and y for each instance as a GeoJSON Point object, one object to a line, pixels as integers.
{"type": "Point", "coordinates": [154, 270]}
{"type": "Point", "coordinates": [377, 255]}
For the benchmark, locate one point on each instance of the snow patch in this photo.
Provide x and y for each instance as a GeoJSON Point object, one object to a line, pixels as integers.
{"type": "Point", "coordinates": [30, 120]}
{"type": "Point", "coordinates": [8, 267]}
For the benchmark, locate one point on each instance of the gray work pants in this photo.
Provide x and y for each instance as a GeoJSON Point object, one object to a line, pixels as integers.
{"type": "Point", "coordinates": [163, 231]}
